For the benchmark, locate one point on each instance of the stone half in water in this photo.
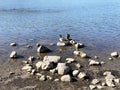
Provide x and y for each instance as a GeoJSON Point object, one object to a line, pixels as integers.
{"type": "Point", "coordinates": [43, 49]}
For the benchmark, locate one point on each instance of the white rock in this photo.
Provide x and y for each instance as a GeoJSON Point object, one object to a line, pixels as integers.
{"type": "Point", "coordinates": [13, 44]}
{"type": "Point", "coordinates": [54, 59]}
{"type": "Point", "coordinates": [103, 83]}
{"type": "Point", "coordinates": [53, 71]}
{"type": "Point", "coordinates": [117, 80]}
{"type": "Point", "coordinates": [114, 54]}
{"type": "Point", "coordinates": [70, 60]}
{"type": "Point", "coordinates": [92, 87]}
{"type": "Point", "coordinates": [78, 65]}
{"type": "Point", "coordinates": [13, 54]}
{"type": "Point", "coordinates": [110, 58]}
{"type": "Point", "coordinates": [31, 58]}
{"type": "Point", "coordinates": [33, 72]}
{"type": "Point", "coordinates": [110, 76]}
{"type": "Point", "coordinates": [42, 49]}
{"type": "Point", "coordinates": [27, 67]}
{"type": "Point", "coordinates": [83, 55]}
{"type": "Point", "coordinates": [107, 73]}
{"type": "Point", "coordinates": [77, 53]}
{"type": "Point", "coordinates": [56, 80]}
{"type": "Point", "coordinates": [42, 78]}
{"type": "Point", "coordinates": [81, 75]}
{"type": "Point", "coordinates": [61, 44]}
{"type": "Point", "coordinates": [99, 87]}
{"type": "Point", "coordinates": [72, 42]}
{"type": "Point", "coordinates": [66, 78]}
{"type": "Point", "coordinates": [102, 62]}
{"type": "Point", "coordinates": [75, 73]}
{"type": "Point", "coordinates": [46, 65]}
{"type": "Point", "coordinates": [110, 83]}
{"type": "Point", "coordinates": [62, 68]}
{"type": "Point", "coordinates": [93, 62]}
{"type": "Point", "coordinates": [49, 77]}
{"type": "Point", "coordinates": [95, 81]}
{"type": "Point", "coordinates": [38, 74]}
{"type": "Point", "coordinates": [79, 45]}
{"type": "Point", "coordinates": [39, 64]}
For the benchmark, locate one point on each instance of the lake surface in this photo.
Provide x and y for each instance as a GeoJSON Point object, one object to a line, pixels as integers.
{"type": "Point", "coordinates": [95, 23]}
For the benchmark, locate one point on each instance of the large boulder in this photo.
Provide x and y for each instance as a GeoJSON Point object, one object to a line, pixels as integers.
{"type": "Point", "coordinates": [43, 49]}
{"type": "Point", "coordinates": [62, 68]}
{"type": "Point", "coordinates": [66, 78]}
{"type": "Point", "coordinates": [54, 59]}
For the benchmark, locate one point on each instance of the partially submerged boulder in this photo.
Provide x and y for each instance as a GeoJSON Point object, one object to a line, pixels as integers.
{"type": "Point", "coordinates": [43, 49]}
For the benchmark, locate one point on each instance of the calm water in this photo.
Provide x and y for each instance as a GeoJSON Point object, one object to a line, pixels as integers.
{"type": "Point", "coordinates": [95, 23]}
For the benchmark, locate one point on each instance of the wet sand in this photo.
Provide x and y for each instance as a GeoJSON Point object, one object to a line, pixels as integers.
{"type": "Point", "coordinates": [18, 80]}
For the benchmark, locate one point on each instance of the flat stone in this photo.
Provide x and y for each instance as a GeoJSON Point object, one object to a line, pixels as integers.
{"type": "Point", "coordinates": [54, 59]}
{"type": "Point", "coordinates": [27, 67]}
{"type": "Point", "coordinates": [61, 44]}
{"type": "Point", "coordinates": [95, 81]}
{"type": "Point", "coordinates": [70, 60]}
{"type": "Point", "coordinates": [92, 87]}
{"type": "Point", "coordinates": [93, 62]}
{"type": "Point", "coordinates": [66, 78]}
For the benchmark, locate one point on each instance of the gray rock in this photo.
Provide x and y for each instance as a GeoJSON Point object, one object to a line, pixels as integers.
{"type": "Point", "coordinates": [61, 44]}
{"type": "Point", "coordinates": [66, 78]}
{"type": "Point", "coordinates": [54, 59]}
{"type": "Point", "coordinates": [43, 49]}
{"type": "Point", "coordinates": [62, 68]}
{"type": "Point", "coordinates": [13, 54]}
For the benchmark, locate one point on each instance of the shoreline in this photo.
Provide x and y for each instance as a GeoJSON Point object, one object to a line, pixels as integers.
{"type": "Point", "coordinates": [12, 73]}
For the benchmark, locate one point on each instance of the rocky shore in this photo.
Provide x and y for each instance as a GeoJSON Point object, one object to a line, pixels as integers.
{"type": "Point", "coordinates": [76, 70]}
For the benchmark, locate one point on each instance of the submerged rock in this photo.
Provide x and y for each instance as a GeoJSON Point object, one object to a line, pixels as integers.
{"type": "Point", "coordinates": [114, 54]}
{"type": "Point", "coordinates": [13, 44]}
{"type": "Point", "coordinates": [43, 49]}
{"type": "Point", "coordinates": [62, 68]}
{"type": "Point", "coordinates": [66, 78]}
{"type": "Point", "coordinates": [13, 54]}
